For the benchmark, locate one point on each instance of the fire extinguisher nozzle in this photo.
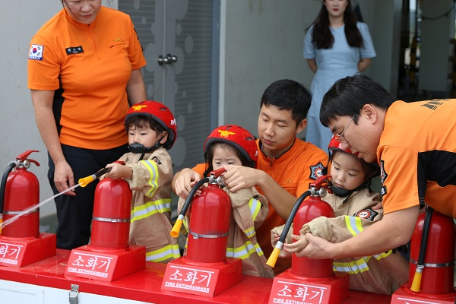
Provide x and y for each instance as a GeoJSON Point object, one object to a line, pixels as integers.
{"type": "Point", "coordinates": [273, 258]}
{"type": "Point", "coordinates": [176, 228]}
{"type": "Point", "coordinates": [86, 180]}
{"type": "Point", "coordinates": [416, 283]}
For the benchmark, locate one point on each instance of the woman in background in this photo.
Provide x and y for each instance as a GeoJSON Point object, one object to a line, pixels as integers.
{"type": "Point", "coordinates": [335, 46]}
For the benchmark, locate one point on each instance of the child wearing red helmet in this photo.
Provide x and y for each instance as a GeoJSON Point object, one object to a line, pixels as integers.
{"type": "Point", "coordinates": [353, 203]}
{"type": "Point", "coordinates": [148, 170]}
{"type": "Point", "coordinates": [233, 145]}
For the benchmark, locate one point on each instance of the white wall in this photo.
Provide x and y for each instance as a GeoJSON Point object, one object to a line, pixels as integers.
{"type": "Point", "coordinates": [263, 43]}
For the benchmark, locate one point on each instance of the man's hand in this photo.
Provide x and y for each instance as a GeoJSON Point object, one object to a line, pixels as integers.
{"type": "Point", "coordinates": [183, 182]}
{"type": "Point", "coordinates": [316, 248]}
{"type": "Point", "coordinates": [298, 246]}
{"type": "Point", "coordinates": [64, 178]}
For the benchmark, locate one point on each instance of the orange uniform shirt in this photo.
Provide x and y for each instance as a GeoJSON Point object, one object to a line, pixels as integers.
{"type": "Point", "coordinates": [89, 67]}
{"type": "Point", "coordinates": [294, 171]}
{"type": "Point", "coordinates": [417, 154]}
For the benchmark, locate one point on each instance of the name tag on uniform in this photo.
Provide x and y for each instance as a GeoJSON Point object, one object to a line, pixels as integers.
{"type": "Point", "coordinates": [74, 50]}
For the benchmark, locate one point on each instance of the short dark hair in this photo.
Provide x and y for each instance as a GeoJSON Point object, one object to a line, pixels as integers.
{"type": "Point", "coordinates": [288, 95]}
{"type": "Point", "coordinates": [140, 120]}
{"type": "Point", "coordinates": [348, 95]}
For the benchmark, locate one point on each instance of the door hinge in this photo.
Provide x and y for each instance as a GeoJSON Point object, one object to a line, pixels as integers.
{"type": "Point", "coordinates": [73, 297]}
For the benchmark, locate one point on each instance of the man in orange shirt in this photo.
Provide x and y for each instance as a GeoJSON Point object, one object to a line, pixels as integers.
{"type": "Point", "coordinates": [414, 146]}
{"type": "Point", "coordinates": [286, 164]}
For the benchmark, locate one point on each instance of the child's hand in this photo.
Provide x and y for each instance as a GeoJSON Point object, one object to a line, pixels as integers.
{"type": "Point", "coordinates": [274, 239]}
{"type": "Point", "coordinates": [298, 246]}
{"type": "Point", "coordinates": [117, 171]}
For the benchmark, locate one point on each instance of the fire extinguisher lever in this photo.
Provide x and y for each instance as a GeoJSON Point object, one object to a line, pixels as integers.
{"type": "Point", "coordinates": [23, 161]}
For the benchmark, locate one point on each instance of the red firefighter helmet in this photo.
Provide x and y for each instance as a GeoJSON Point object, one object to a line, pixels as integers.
{"type": "Point", "coordinates": [237, 137]}
{"type": "Point", "coordinates": [336, 145]}
{"type": "Point", "coordinates": [160, 113]}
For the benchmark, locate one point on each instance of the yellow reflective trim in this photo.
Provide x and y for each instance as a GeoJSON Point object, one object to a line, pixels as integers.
{"type": "Point", "coordinates": [255, 206]}
{"type": "Point", "coordinates": [164, 253]}
{"type": "Point", "coordinates": [243, 252]}
{"type": "Point", "coordinates": [153, 179]}
{"type": "Point", "coordinates": [250, 232]}
{"type": "Point", "coordinates": [150, 208]}
{"type": "Point", "coordinates": [382, 255]}
{"type": "Point", "coordinates": [349, 227]}
{"type": "Point", "coordinates": [353, 267]}
{"type": "Point", "coordinates": [359, 224]}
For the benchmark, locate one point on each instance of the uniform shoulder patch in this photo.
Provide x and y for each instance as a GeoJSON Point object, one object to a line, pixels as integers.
{"type": "Point", "coordinates": [36, 52]}
{"type": "Point", "coordinates": [383, 177]}
{"type": "Point", "coordinates": [155, 159]}
{"type": "Point", "coordinates": [367, 214]}
{"type": "Point", "coordinates": [316, 171]}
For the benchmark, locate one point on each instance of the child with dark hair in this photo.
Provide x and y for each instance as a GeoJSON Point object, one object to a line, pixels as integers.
{"type": "Point", "coordinates": [354, 205]}
{"type": "Point", "coordinates": [233, 145]}
{"type": "Point", "coordinates": [148, 170]}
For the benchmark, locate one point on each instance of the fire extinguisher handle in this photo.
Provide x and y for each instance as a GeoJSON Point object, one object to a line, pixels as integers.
{"type": "Point", "coordinates": [24, 155]}
{"type": "Point", "coordinates": [218, 172]}
{"type": "Point", "coordinates": [319, 182]}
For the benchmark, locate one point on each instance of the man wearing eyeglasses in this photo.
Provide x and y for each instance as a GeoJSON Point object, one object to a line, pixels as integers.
{"type": "Point", "coordinates": [414, 144]}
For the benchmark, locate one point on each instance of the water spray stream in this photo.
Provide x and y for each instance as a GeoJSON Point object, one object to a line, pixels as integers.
{"type": "Point", "coordinates": [30, 209]}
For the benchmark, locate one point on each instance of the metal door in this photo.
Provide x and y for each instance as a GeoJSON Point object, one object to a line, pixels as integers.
{"type": "Point", "coordinates": [180, 41]}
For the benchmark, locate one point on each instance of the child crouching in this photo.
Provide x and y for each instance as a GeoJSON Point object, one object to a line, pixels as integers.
{"type": "Point", "coordinates": [353, 203]}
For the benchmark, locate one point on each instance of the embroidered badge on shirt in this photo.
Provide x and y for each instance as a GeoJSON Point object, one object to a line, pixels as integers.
{"type": "Point", "coordinates": [367, 214]}
{"type": "Point", "coordinates": [316, 171]}
{"type": "Point", "coordinates": [383, 176]}
{"type": "Point", "coordinates": [36, 52]}
{"type": "Point", "coordinates": [74, 50]}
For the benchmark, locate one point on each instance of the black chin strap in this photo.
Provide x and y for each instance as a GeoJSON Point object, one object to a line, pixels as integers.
{"type": "Point", "coordinates": [139, 148]}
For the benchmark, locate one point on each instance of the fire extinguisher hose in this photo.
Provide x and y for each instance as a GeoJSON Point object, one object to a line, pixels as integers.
{"type": "Point", "coordinates": [178, 224]}
{"type": "Point", "coordinates": [3, 185]}
{"type": "Point", "coordinates": [416, 283]}
{"type": "Point", "coordinates": [278, 247]}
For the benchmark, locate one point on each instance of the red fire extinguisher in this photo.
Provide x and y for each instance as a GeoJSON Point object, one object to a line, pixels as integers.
{"type": "Point", "coordinates": [20, 190]}
{"type": "Point", "coordinates": [310, 209]}
{"type": "Point", "coordinates": [303, 212]}
{"type": "Point", "coordinates": [432, 254]}
{"type": "Point", "coordinates": [209, 221]}
{"type": "Point", "coordinates": [111, 214]}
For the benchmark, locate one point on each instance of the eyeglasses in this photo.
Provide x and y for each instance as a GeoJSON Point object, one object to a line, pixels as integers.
{"type": "Point", "coordinates": [341, 135]}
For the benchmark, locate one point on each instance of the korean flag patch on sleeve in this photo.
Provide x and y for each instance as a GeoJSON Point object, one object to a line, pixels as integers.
{"type": "Point", "coordinates": [36, 52]}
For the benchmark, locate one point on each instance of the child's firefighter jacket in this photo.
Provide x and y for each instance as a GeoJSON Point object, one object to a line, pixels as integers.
{"type": "Point", "coordinates": [151, 204]}
{"type": "Point", "coordinates": [382, 273]}
{"type": "Point", "coordinates": [249, 210]}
